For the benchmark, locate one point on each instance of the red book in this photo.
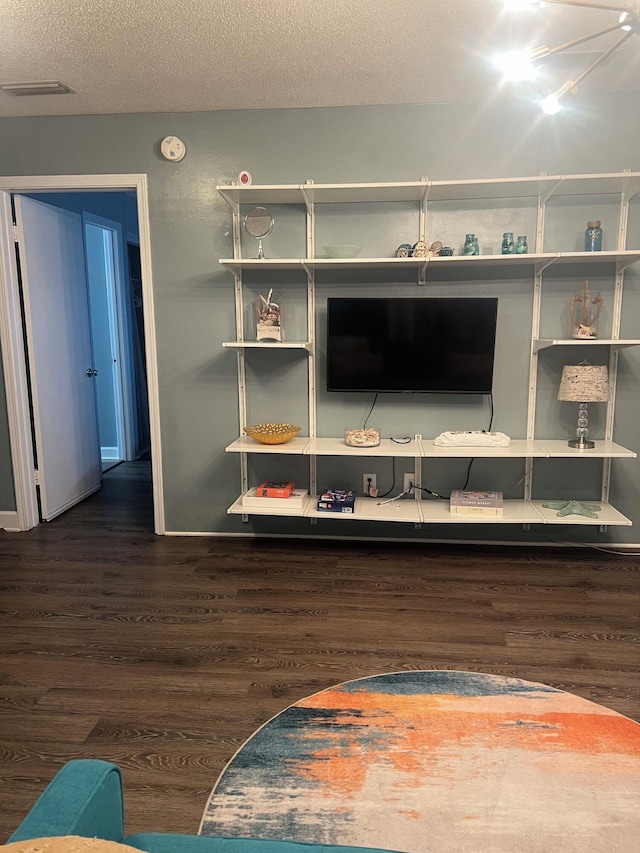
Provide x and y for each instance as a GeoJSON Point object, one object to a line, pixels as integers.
{"type": "Point", "coordinates": [275, 489]}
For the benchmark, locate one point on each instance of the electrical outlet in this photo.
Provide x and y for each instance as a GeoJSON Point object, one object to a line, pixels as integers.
{"type": "Point", "coordinates": [368, 487]}
{"type": "Point", "coordinates": [408, 480]}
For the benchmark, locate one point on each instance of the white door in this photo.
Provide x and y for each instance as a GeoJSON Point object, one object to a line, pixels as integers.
{"type": "Point", "coordinates": [58, 340]}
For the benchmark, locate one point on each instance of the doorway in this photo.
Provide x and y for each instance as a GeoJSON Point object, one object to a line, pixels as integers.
{"type": "Point", "coordinates": [134, 440]}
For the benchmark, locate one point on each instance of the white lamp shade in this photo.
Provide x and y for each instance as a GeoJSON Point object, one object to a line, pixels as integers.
{"type": "Point", "coordinates": [584, 383]}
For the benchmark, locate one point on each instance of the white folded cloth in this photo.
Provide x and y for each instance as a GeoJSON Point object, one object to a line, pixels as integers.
{"type": "Point", "coordinates": [475, 438]}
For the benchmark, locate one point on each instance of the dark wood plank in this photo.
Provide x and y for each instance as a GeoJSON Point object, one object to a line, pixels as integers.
{"type": "Point", "coordinates": [165, 654]}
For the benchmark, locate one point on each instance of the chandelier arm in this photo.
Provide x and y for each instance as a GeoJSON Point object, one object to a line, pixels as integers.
{"type": "Point", "coordinates": [602, 58]}
{"type": "Point", "coordinates": [561, 47]}
{"type": "Point", "coordinates": [604, 6]}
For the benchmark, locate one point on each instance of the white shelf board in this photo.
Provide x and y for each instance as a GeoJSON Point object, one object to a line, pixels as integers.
{"type": "Point", "coordinates": [245, 444]}
{"type": "Point", "coordinates": [488, 260]}
{"type": "Point", "coordinates": [607, 515]}
{"type": "Point", "coordinates": [262, 193]}
{"type": "Point", "coordinates": [612, 257]}
{"type": "Point", "coordinates": [515, 512]}
{"type": "Point", "coordinates": [364, 263]}
{"type": "Point", "coordinates": [519, 447]}
{"type": "Point", "coordinates": [237, 508]}
{"type": "Point", "coordinates": [603, 449]}
{"type": "Point", "coordinates": [337, 447]}
{"type": "Point", "coordinates": [234, 265]}
{"type": "Point", "coordinates": [489, 188]}
{"type": "Point", "coordinates": [240, 345]}
{"type": "Point", "coordinates": [375, 192]}
{"type": "Point", "coordinates": [372, 509]}
{"type": "Point", "coordinates": [621, 182]}
{"type": "Point", "coordinates": [543, 343]}
{"type": "Point", "coordinates": [492, 188]}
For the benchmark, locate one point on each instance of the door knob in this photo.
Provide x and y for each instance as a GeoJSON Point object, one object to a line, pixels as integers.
{"type": "Point", "coordinates": [91, 372]}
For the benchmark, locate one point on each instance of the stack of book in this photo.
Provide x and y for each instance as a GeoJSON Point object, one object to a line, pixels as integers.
{"type": "Point", "coordinates": [275, 493]}
{"type": "Point", "coordinates": [479, 503]}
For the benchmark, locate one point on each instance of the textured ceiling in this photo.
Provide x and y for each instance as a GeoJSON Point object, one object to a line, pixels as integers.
{"type": "Point", "coordinates": [163, 56]}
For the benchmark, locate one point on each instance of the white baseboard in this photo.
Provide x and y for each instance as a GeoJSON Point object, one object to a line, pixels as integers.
{"type": "Point", "coordinates": [109, 453]}
{"type": "Point", "coordinates": [9, 521]}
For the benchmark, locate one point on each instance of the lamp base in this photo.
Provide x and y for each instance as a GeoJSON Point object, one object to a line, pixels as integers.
{"type": "Point", "coordinates": [581, 443]}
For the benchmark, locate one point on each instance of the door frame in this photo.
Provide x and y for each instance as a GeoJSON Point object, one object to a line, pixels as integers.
{"type": "Point", "coordinates": [11, 337]}
{"type": "Point", "coordinates": [118, 330]}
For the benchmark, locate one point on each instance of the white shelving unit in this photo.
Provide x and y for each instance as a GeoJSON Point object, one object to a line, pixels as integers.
{"type": "Point", "coordinates": [538, 192]}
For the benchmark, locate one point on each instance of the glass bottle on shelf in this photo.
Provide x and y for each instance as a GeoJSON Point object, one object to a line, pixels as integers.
{"type": "Point", "coordinates": [585, 308]}
{"type": "Point", "coordinates": [522, 247]}
{"type": "Point", "coordinates": [471, 245]}
{"type": "Point", "coordinates": [593, 236]}
{"type": "Point", "coordinates": [507, 243]}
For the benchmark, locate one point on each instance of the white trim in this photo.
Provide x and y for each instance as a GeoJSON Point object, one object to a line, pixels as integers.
{"type": "Point", "coordinates": [119, 331]}
{"type": "Point", "coordinates": [555, 543]}
{"type": "Point", "coordinates": [11, 334]}
{"type": "Point", "coordinates": [109, 453]}
{"type": "Point", "coordinates": [15, 375]}
{"type": "Point", "coordinates": [9, 522]}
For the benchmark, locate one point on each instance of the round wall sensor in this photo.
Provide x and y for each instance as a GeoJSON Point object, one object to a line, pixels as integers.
{"type": "Point", "coordinates": [173, 148]}
{"type": "Point", "coordinates": [244, 179]}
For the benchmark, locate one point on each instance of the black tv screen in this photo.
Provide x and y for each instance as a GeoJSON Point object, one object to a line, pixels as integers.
{"type": "Point", "coordinates": [411, 345]}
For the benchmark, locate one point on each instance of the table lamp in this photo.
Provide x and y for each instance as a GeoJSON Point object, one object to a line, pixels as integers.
{"type": "Point", "coordinates": [583, 383]}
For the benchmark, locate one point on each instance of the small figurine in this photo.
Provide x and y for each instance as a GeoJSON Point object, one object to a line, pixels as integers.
{"type": "Point", "coordinates": [404, 251]}
{"type": "Point", "coordinates": [419, 250]}
{"type": "Point", "coordinates": [269, 317]}
{"type": "Point", "coordinates": [435, 248]}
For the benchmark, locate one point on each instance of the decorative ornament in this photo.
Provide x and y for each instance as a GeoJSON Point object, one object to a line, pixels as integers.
{"type": "Point", "coordinates": [419, 249]}
{"type": "Point", "coordinates": [269, 324]}
{"type": "Point", "coordinates": [404, 251]}
{"type": "Point", "coordinates": [573, 508]}
{"type": "Point", "coordinates": [244, 178]}
{"type": "Point", "coordinates": [435, 247]}
{"type": "Point", "coordinates": [585, 309]}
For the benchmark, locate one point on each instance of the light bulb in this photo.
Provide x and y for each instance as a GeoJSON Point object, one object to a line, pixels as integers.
{"type": "Point", "coordinates": [552, 104]}
{"type": "Point", "coordinates": [516, 65]}
{"type": "Point", "coordinates": [519, 5]}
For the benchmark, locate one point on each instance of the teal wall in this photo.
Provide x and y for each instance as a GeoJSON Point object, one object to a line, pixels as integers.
{"type": "Point", "coordinates": [190, 231]}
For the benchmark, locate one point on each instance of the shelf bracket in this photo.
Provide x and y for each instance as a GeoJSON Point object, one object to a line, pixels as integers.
{"type": "Point", "coordinates": [542, 265]}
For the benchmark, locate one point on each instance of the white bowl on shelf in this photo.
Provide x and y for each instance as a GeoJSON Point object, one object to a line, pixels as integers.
{"type": "Point", "coordinates": [342, 251]}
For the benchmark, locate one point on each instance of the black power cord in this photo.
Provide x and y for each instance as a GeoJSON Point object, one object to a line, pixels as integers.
{"type": "Point", "coordinates": [471, 461]}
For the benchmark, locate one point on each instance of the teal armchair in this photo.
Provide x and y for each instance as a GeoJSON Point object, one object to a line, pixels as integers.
{"type": "Point", "coordinates": [85, 798]}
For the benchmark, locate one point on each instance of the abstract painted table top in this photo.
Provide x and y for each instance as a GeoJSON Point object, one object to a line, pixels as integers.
{"type": "Point", "coordinates": [438, 761]}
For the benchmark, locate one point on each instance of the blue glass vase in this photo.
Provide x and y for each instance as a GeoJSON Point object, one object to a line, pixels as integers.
{"type": "Point", "coordinates": [593, 236]}
{"type": "Point", "coordinates": [507, 243]}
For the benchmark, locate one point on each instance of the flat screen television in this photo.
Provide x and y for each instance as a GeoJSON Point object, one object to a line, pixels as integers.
{"type": "Point", "coordinates": [411, 345]}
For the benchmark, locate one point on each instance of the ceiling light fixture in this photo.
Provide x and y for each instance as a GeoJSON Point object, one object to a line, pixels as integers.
{"type": "Point", "coordinates": [522, 64]}
{"type": "Point", "coordinates": [41, 87]}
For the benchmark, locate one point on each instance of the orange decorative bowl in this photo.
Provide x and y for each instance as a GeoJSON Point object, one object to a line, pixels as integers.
{"type": "Point", "coordinates": [272, 433]}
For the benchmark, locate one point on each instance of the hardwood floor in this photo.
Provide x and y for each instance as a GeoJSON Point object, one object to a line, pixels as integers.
{"type": "Point", "coordinates": [164, 654]}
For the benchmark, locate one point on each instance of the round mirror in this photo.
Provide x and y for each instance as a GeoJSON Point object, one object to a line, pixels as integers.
{"type": "Point", "coordinates": [259, 223]}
